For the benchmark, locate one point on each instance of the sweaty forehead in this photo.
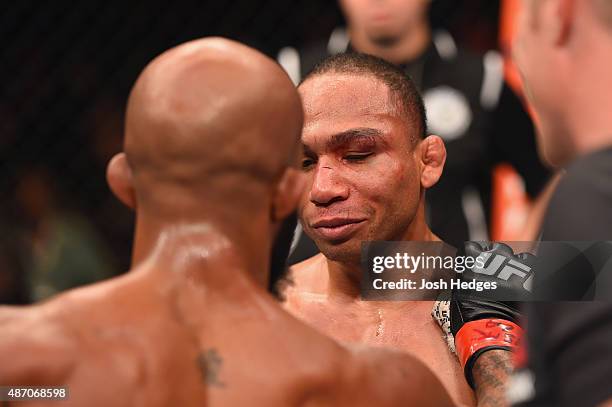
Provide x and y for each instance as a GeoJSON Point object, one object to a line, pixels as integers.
{"type": "Point", "coordinates": [336, 100]}
{"type": "Point", "coordinates": [338, 95]}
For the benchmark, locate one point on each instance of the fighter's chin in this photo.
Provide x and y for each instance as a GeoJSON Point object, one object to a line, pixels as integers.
{"type": "Point", "coordinates": [384, 39]}
{"type": "Point", "coordinates": [555, 159]}
{"type": "Point", "coordinates": [343, 252]}
{"type": "Point", "coordinates": [553, 147]}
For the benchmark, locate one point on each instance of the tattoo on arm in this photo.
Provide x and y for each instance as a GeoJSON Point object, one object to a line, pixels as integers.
{"type": "Point", "coordinates": [209, 363]}
{"type": "Point", "coordinates": [491, 373]}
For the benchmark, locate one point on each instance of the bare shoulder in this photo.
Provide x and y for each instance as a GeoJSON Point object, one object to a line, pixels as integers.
{"type": "Point", "coordinates": [394, 378]}
{"type": "Point", "coordinates": [46, 341]}
{"type": "Point", "coordinates": [308, 263]}
{"type": "Point", "coordinates": [36, 346]}
{"type": "Point", "coordinates": [309, 276]}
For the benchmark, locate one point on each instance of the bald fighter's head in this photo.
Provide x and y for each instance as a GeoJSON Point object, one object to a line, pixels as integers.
{"type": "Point", "coordinates": [212, 129]}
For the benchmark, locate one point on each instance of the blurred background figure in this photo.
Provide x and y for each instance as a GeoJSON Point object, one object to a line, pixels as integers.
{"type": "Point", "coordinates": [67, 69]}
{"type": "Point", "coordinates": [13, 282]}
{"type": "Point", "coordinates": [65, 250]}
{"type": "Point", "coordinates": [468, 104]}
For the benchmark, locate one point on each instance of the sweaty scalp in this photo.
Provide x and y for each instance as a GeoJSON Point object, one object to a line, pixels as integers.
{"type": "Point", "coordinates": [207, 109]}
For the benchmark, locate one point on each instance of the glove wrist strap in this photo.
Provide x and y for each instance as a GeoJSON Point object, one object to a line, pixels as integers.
{"type": "Point", "coordinates": [475, 337]}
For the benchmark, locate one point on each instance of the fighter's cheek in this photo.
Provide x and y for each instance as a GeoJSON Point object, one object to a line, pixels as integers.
{"type": "Point", "coordinates": [305, 207]}
{"type": "Point", "coordinates": [305, 194]}
{"type": "Point", "coordinates": [305, 210]}
{"type": "Point", "coordinates": [390, 181]}
{"type": "Point", "coordinates": [308, 183]}
{"type": "Point", "coordinates": [373, 171]}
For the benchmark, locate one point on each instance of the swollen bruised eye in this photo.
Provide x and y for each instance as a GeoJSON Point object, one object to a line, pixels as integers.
{"type": "Point", "coordinates": [357, 157]}
{"type": "Point", "coordinates": [307, 163]}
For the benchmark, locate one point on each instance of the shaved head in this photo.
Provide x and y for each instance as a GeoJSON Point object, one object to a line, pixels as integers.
{"type": "Point", "coordinates": [211, 118]}
{"type": "Point", "coordinates": [212, 146]}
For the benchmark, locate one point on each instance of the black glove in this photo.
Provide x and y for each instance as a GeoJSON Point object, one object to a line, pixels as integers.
{"type": "Point", "coordinates": [482, 321]}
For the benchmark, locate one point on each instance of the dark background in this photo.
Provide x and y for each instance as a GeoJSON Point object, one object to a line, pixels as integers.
{"type": "Point", "coordinates": [66, 69]}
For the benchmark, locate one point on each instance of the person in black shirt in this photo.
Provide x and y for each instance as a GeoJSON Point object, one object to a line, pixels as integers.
{"type": "Point", "coordinates": [564, 52]}
{"type": "Point", "coordinates": [468, 104]}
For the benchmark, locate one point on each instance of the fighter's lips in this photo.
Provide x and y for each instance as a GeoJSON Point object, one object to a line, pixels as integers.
{"type": "Point", "coordinates": [336, 228]}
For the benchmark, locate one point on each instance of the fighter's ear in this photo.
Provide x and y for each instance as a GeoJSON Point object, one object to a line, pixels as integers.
{"type": "Point", "coordinates": [288, 192]}
{"type": "Point", "coordinates": [556, 18]}
{"type": "Point", "coordinates": [119, 178]}
{"type": "Point", "coordinates": [432, 156]}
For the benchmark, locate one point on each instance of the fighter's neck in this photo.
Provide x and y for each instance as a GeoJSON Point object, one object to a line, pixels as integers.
{"type": "Point", "coordinates": [592, 130]}
{"type": "Point", "coordinates": [407, 48]}
{"type": "Point", "coordinates": [204, 249]}
{"type": "Point", "coordinates": [344, 278]}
